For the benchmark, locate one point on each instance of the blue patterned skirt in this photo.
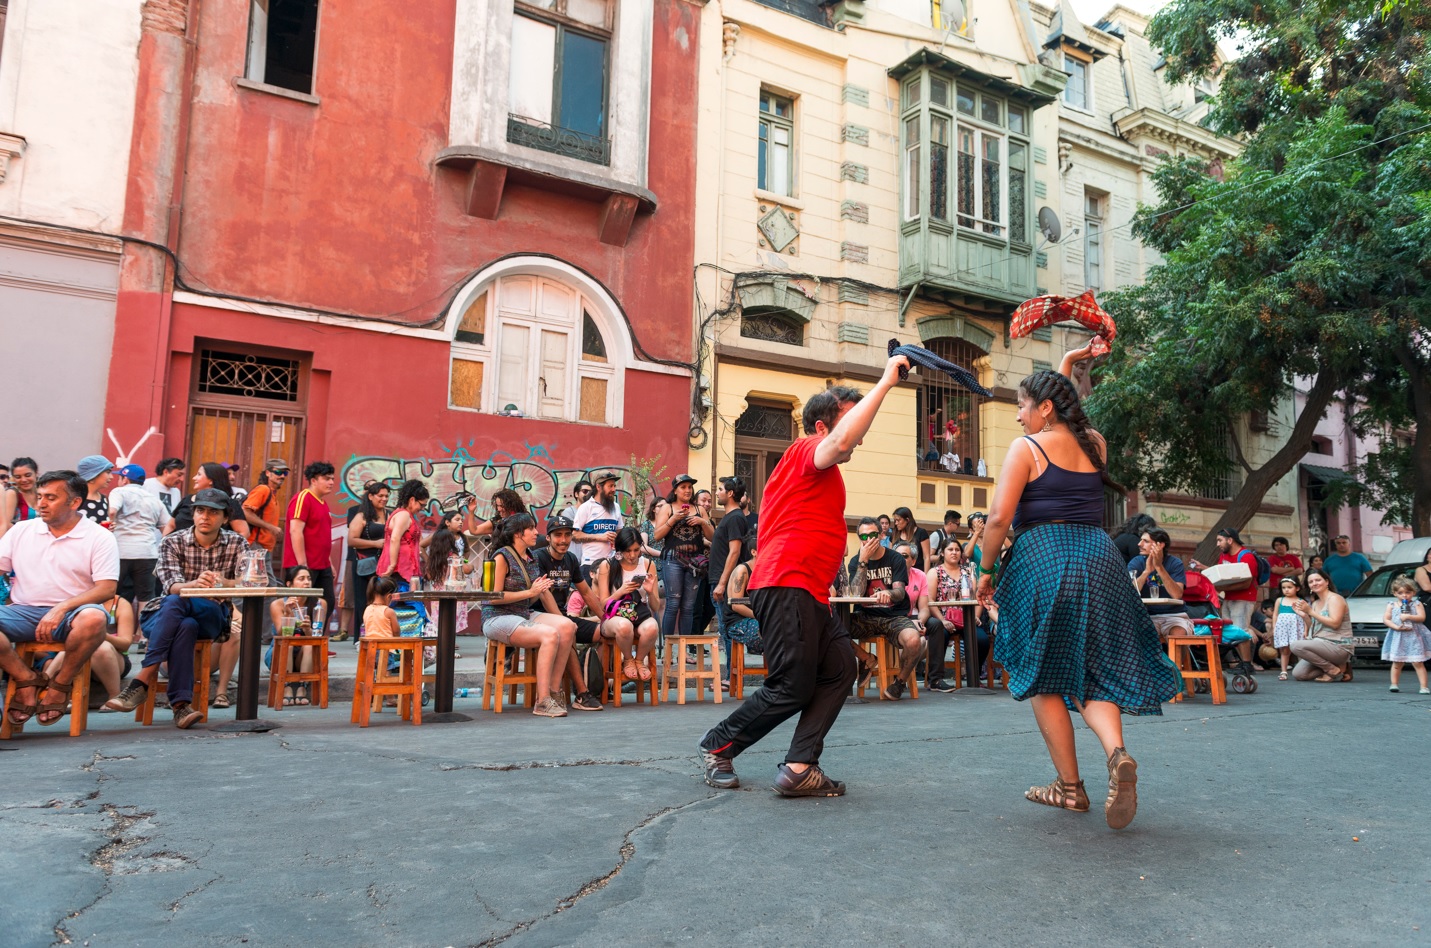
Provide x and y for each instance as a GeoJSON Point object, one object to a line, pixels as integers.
{"type": "Point", "coordinates": [1071, 624]}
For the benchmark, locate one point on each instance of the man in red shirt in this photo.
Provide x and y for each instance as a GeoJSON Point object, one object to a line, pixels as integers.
{"type": "Point", "coordinates": [1238, 604]}
{"type": "Point", "coordinates": [808, 657]}
{"type": "Point", "coordinates": [310, 531]}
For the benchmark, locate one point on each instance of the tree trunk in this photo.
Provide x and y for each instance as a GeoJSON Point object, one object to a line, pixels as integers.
{"type": "Point", "coordinates": [1417, 375]}
{"type": "Point", "coordinates": [1248, 501]}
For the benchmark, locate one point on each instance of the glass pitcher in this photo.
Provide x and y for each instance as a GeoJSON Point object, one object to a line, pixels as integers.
{"type": "Point", "coordinates": [453, 579]}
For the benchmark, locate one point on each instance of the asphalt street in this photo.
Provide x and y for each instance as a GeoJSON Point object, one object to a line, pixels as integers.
{"type": "Point", "coordinates": [1295, 816]}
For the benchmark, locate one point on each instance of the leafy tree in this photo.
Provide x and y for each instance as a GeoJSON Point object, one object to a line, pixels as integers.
{"type": "Point", "coordinates": [1309, 259]}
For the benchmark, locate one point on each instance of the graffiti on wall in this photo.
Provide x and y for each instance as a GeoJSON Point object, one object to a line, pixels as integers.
{"type": "Point", "coordinates": [458, 477]}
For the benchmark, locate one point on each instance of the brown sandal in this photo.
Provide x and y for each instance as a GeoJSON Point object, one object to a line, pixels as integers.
{"type": "Point", "coordinates": [58, 710]}
{"type": "Point", "coordinates": [1064, 796]}
{"type": "Point", "coordinates": [1122, 801]}
{"type": "Point", "coordinates": [20, 713]}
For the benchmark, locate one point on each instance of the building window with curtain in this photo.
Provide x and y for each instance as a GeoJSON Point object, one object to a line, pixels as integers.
{"type": "Point", "coordinates": [1093, 239]}
{"type": "Point", "coordinates": [775, 152]}
{"type": "Point", "coordinates": [559, 78]}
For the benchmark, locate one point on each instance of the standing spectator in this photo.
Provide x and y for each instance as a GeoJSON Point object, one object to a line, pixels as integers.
{"type": "Point", "coordinates": [211, 476]}
{"type": "Point", "coordinates": [1161, 575]}
{"type": "Point", "coordinates": [139, 522]}
{"type": "Point", "coordinates": [22, 501]}
{"type": "Point", "coordinates": [7, 503]}
{"type": "Point", "coordinates": [401, 557]}
{"type": "Point", "coordinates": [166, 484]}
{"type": "Point", "coordinates": [260, 508]}
{"type": "Point", "coordinates": [1128, 538]}
{"type": "Point", "coordinates": [65, 567]}
{"type": "Point", "coordinates": [886, 530]}
{"type": "Point", "coordinates": [705, 611]}
{"type": "Point", "coordinates": [1283, 563]}
{"type": "Point", "coordinates": [1072, 633]}
{"type": "Point", "coordinates": [906, 529]}
{"type": "Point", "coordinates": [310, 530]}
{"type": "Point", "coordinates": [597, 521]}
{"type": "Point", "coordinates": [752, 516]}
{"type": "Point", "coordinates": [367, 525]}
{"type": "Point", "coordinates": [1326, 654]}
{"type": "Point", "coordinates": [234, 469]}
{"type": "Point", "coordinates": [728, 541]}
{"type": "Point", "coordinates": [579, 495]}
{"type": "Point", "coordinates": [945, 583]}
{"type": "Point", "coordinates": [1422, 576]}
{"type": "Point", "coordinates": [973, 552]}
{"type": "Point", "coordinates": [1239, 604]}
{"type": "Point", "coordinates": [882, 573]}
{"type": "Point", "coordinates": [199, 557]}
{"type": "Point", "coordinates": [1287, 625]}
{"type": "Point", "coordinates": [684, 531]}
{"type": "Point", "coordinates": [1346, 568]}
{"type": "Point", "coordinates": [649, 544]}
{"type": "Point", "coordinates": [943, 535]}
{"type": "Point", "coordinates": [505, 503]}
{"type": "Point", "coordinates": [1407, 640]}
{"type": "Point", "coordinates": [1318, 561]}
{"type": "Point", "coordinates": [96, 472]}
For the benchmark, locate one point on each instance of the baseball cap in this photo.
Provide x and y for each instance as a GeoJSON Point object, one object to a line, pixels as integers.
{"type": "Point", "coordinates": [559, 523]}
{"type": "Point", "coordinates": [92, 466]}
{"type": "Point", "coordinates": [682, 479]}
{"type": "Point", "coordinates": [276, 465]}
{"type": "Point", "coordinates": [133, 472]}
{"type": "Point", "coordinates": [233, 466]}
{"type": "Point", "coordinates": [211, 497]}
{"type": "Point", "coordinates": [605, 476]}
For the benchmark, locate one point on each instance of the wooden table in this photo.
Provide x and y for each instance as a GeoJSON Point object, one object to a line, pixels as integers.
{"type": "Point", "coordinates": [447, 600]}
{"type": "Point", "coordinates": [250, 646]}
{"type": "Point", "coordinates": [1163, 602]}
{"type": "Point", "coordinates": [971, 645]}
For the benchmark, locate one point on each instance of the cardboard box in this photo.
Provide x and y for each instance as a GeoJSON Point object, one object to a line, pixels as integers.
{"type": "Point", "coordinates": [1229, 577]}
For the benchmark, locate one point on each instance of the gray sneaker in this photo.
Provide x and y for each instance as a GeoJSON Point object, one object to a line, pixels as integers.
{"type": "Point", "coordinates": [548, 708]}
{"type": "Point", "coordinates": [811, 783]}
{"type": "Point", "coordinates": [130, 698]}
{"type": "Point", "coordinates": [720, 771]}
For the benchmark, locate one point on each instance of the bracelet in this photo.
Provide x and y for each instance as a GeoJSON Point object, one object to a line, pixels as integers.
{"type": "Point", "coordinates": [987, 572]}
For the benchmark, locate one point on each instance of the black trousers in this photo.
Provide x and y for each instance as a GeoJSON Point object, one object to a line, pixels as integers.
{"type": "Point", "coordinates": [938, 638]}
{"type": "Point", "coordinates": [811, 666]}
{"type": "Point", "coordinates": [136, 580]}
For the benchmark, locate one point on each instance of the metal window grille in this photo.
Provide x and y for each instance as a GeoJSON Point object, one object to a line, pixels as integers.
{"type": "Point", "coordinates": [1225, 485]}
{"type": "Point", "coordinates": [765, 421]}
{"type": "Point", "coordinates": [947, 415]}
{"type": "Point", "coordinates": [248, 376]}
{"type": "Point", "coordinates": [772, 327]}
{"type": "Point", "coordinates": [544, 136]}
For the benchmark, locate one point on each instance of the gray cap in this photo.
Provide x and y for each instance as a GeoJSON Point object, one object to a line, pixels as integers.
{"type": "Point", "coordinates": [211, 497]}
{"type": "Point", "coordinates": [91, 467]}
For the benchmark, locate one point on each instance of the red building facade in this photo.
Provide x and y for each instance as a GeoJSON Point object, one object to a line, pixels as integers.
{"type": "Point", "coordinates": [454, 244]}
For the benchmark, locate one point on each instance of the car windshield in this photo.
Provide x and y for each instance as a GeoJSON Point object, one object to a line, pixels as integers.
{"type": "Point", "coordinates": [1379, 583]}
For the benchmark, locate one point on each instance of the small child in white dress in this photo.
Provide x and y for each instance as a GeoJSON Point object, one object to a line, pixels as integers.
{"type": "Point", "coordinates": [1407, 639]}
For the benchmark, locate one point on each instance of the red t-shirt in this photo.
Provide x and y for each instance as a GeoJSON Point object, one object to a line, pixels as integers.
{"type": "Point", "coordinates": [1250, 559]}
{"type": "Point", "coordinates": [802, 524]}
{"type": "Point", "coordinates": [1290, 559]}
{"type": "Point", "coordinates": [317, 531]}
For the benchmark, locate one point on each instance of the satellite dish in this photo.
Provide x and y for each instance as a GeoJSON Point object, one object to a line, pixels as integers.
{"type": "Point", "coordinates": [1048, 223]}
{"type": "Point", "coordinates": [951, 15]}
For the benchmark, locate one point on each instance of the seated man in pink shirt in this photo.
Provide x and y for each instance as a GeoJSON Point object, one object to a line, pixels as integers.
{"type": "Point", "coordinates": [66, 567]}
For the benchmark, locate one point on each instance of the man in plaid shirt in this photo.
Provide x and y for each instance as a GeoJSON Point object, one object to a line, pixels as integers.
{"type": "Point", "coordinates": [201, 557]}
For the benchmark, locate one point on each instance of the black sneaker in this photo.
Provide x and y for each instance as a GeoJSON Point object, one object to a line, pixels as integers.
{"type": "Point", "coordinates": [720, 771]}
{"type": "Point", "coordinates": [939, 684]}
{"type": "Point", "coordinates": [811, 783]}
{"type": "Point", "coordinates": [895, 691]}
{"type": "Point", "coordinates": [586, 701]}
{"type": "Point", "coordinates": [862, 682]}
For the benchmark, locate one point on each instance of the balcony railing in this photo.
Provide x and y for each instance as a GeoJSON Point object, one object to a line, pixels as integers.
{"type": "Point", "coordinates": [535, 133]}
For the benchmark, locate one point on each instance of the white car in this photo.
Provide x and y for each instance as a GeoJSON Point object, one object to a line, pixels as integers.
{"type": "Point", "coordinates": [1368, 601]}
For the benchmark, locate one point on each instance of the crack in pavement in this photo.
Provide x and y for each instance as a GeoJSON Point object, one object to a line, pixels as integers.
{"type": "Point", "coordinates": [592, 886]}
{"type": "Point", "coordinates": [174, 905]}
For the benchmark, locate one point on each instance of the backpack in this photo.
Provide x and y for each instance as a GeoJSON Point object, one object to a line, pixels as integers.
{"type": "Point", "coordinates": [1263, 573]}
{"type": "Point", "coordinates": [592, 671]}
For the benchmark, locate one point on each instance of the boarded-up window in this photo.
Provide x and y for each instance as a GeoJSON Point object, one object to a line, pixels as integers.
{"type": "Point", "coordinates": [466, 384]}
{"type": "Point", "coordinates": [593, 400]}
{"type": "Point", "coordinates": [926, 493]}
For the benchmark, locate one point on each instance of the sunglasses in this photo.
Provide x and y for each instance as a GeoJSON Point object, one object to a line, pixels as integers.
{"type": "Point", "coordinates": [866, 536]}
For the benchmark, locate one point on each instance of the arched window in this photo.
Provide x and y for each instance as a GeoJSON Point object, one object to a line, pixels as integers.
{"type": "Point", "coordinates": [947, 415]}
{"type": "Point", "coordinates": [535, 345]}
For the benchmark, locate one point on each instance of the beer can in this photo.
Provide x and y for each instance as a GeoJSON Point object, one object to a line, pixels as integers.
{"type": "Point", "coordinates": [488, 573]}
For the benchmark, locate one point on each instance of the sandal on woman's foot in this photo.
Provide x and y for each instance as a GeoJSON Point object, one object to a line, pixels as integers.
{"type": "Point", "coordinates": [288, 698]}
{"type": "Point", "coordinates": [643, 671]}
{"type": "Point", "coordinates": [1282, 676]}
{"type": "Point", "coordinates": [630, 669]}
{"type": "Point", "coordinates": [1064, 796]}
{"type": "Point", "coordinates": [20, 713]}
{"type": "Point", "coordinates": [221, 700]}
{"type": "Point", "coordinates": [1347, 674]}
{"type": "Point", "coordinates": [300, 696]}
{"type": "Point", "coordinates": [60, 709]}
{"type": "Point", "coordinates": [1122, 801]}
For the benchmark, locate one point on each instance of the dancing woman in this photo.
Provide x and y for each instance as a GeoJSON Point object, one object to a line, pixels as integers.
{"type": "Point", "coordinates": [1073, 634]}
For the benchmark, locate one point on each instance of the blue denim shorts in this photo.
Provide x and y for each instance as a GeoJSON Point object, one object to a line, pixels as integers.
{"type": "Point", "coordinates": [17, 623]}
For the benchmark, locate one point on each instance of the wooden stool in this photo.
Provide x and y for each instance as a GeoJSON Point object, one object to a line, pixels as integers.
{"type": "Point", "coordinates": [407, 686]}
{"type": "Point", "coordinates": [616, 677]}
{"type": "Point", "coordinates": [203, 668]}
{"type": "Point", "coordinates": [707, 648]}
{"type": "Point", "coordinates": [886, 655]}
{"type": "Point", "coordinates": [524, 672]}
{"type": "Point", "coordinates": [279, 677]}
{"type": "Point", "coordinates": [79, 693]}
{"type": "Point", "coordinates": [738, 671]}
{"type": "Point", "coordinates": [1180, 651]}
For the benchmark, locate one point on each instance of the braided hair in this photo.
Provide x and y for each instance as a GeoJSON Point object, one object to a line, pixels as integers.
{"type": "Point", "coordinates": [1049, 386]}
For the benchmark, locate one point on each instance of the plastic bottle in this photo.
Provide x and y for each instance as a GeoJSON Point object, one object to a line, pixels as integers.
{"type": "Point", "coordinates": [965, 591]}
{"type": "Point", "coordinates": [468, 693]}
{"type": "Point", "coordinates": [320, 618]}
{"type": "Point", "coordinates": [415, 584]}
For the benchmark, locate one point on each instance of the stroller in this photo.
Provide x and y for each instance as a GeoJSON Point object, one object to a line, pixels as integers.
{"type": "Point", "coordinates": [1203, 605]}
